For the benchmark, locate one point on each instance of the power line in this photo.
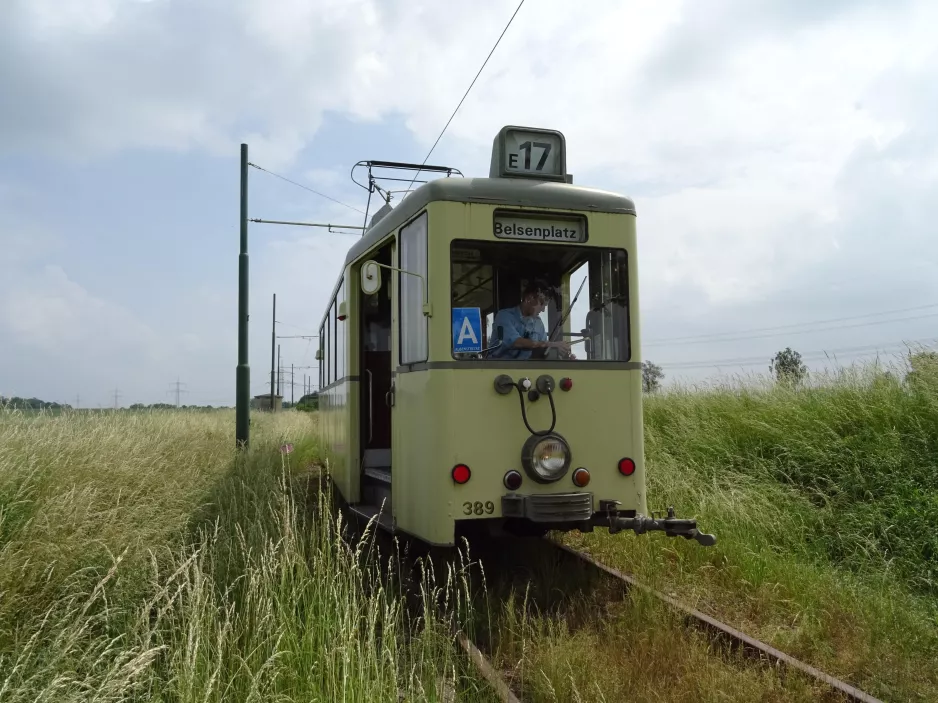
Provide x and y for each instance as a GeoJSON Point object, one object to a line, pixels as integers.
{"type": "Point", "coordinates": [819, 329]}
{"type": "Point", "coordinates": [817, 353]}
{"type": "Point", "coordinates": [693, 339]}
{"type": "Point", "coordinates": [466, 93]}
{"type": "Point", "coordinates": [807, 356]}
{"type": "Point", "coordinates": [300, 185]}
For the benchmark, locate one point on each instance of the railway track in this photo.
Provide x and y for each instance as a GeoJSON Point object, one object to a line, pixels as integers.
{"type": "Point", "coordinates": [756, 649]}
{"type": "Point", "coordinates": [720, 629]}
{"type": "Point", "coordinates": [499, 686]}
{"type": "Point", "coordinates": [753, 647]}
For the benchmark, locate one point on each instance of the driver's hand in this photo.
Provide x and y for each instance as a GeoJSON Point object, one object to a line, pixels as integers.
{"type": "Point", "coordinates": [562, 347]}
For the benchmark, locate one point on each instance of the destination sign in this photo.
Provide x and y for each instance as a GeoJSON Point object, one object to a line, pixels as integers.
{"type": "Point", "coordinates": [539, 229]}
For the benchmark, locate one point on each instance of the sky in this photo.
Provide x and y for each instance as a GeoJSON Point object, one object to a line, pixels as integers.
{"type": "Point", "coordinates": [782, 155]}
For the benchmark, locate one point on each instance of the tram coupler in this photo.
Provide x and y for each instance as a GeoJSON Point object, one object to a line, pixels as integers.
{"type": "Point", "coordinates": [671, 526]}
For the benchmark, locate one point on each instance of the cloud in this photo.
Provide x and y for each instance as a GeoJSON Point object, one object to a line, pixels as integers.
{"type": "Point", "coordinates": [41, 307]}
{"type": "Point", "coordinates": [51, 312]}
{"type": "Point", "coordinates": [706, 36]}
{"type": "Point", "coordinates": [770, 147]}
{"type": "Point", "coordinates": [61, 337]}
{"type": "Point", "coordinates": [142, 75]}
{"type": "Point", "coordinates": [876, 254]}
{"type": "Point", "coordinates": [22, 240]}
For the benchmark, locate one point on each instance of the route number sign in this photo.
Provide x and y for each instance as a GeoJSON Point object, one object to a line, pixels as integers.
{"type": "Point", "coordinates": [529, 153]}
{"type": "Point", "coordinates": [532, 153]}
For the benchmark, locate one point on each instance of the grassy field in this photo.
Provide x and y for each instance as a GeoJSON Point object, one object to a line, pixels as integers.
{"type": "Point", "coordinates": [825, 504]}
{"type": "Point", "coordinates": [142, 559]}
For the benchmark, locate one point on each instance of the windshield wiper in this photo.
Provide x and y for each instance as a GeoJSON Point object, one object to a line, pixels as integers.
{"type": "Point", "coordinates": [559, 323]}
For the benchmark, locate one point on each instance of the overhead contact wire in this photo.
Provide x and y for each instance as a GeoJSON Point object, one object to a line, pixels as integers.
{"type": "Point", "coordinates": [300, 185]}
{"type": "Point", "coordinates": [465, 95]}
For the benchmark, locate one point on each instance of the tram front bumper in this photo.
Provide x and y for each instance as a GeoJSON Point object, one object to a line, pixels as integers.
{"type": "Point", "coordinates": [549, 507]}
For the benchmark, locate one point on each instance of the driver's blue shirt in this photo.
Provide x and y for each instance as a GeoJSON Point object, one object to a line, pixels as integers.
{"type": "Point", "coordinates": [510, 324]}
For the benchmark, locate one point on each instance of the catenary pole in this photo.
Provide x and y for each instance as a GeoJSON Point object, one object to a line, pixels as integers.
{"type": "Point", "coordinates": [243, 372]}
{"type": "Point", "coordinates": [273, 351]}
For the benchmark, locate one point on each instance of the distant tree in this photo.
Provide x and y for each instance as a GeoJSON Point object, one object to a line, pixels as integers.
{"type": "Point", "coordinates": [924, 369]}
{"type": "Point", "coordinates": [308, 403]}
{"type": "Point", "coordinates": [788, 368]}
{"type": "Point", "coordinates": [651, 376]}
{"type": "Point", "coordinates": [16, 403]}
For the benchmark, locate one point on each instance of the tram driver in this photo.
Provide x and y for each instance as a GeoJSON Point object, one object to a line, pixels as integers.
{"type": "Point", "coordinates": [521, 331]}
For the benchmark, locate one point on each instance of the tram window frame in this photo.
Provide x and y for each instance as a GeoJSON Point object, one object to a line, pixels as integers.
{"type": "Point", "coordinates": [329, 354]}
{"type": "Point", "coordinates": [340, 335]}
{"type": "Point", "coordinates": [580, 255]}
{"type": "Point", "coordinates": [322, 361]}
{"type": "Point", "coordinates": [334, 323]}
{"type": "Point", "coordinates": [413, 325]}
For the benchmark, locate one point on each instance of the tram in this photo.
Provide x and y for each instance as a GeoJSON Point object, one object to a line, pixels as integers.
{"type": "Point", "coordinates": [480, 356]}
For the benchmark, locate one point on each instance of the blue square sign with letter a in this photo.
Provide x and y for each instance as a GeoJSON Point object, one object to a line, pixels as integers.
{"type": "Point", "coordinates": [467, 330]}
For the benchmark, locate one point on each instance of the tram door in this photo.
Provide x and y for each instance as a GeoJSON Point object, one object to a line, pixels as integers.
{"type": "Point", "coordinates": [375, 383]}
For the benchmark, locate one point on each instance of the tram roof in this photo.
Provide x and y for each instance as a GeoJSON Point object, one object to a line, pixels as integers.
{"type": "Point", "coordinates": [495, 191]}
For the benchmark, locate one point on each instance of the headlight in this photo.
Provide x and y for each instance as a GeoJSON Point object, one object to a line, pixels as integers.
{"type": "Point", "coordinates": [547, 458]}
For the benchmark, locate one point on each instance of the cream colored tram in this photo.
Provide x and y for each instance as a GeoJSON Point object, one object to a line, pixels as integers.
{"type": "Point", "coordinates": [437, 427]}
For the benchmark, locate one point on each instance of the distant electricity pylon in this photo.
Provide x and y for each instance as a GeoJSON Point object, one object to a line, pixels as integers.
{"type": "Point", "coordinates": [178, 390]}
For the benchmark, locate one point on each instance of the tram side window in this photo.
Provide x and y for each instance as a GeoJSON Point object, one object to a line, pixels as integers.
{"type": "Point", "coordinates": [585, 295]}
{"type": "Point", "coordinates": [327, 362]}
{"type": "Point", "coordinates": [413, 333]}
{"type": "Point", "coordinates": [322, 362]}
{"type": "Point", "coordinates": [340, 336]}
{"type": "Point", "coordinates": [334, 362]}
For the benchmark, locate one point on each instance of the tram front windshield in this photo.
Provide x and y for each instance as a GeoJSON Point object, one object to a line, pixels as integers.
{"type": "Point", "coordinates": [585, 290]}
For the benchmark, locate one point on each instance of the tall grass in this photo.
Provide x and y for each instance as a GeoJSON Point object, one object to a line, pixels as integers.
{"type": "Point", "coordinates": [861, 446]}
{"type": "Point", "coordinates": [563, 634]}
{"type": "Point", "coordinates": [824, 500]}
{"type": "Point", "coordinates": [142, 558]}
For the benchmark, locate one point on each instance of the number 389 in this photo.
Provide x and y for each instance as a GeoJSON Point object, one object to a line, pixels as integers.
{"type": "Point", "coordinates": [478, 508]}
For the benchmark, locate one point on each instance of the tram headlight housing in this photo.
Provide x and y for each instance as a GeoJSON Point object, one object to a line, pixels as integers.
{"type": "Point", "coordinates": [546, 458]}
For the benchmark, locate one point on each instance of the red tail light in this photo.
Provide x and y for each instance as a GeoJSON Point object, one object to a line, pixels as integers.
{"type": "Point", "coordinates": [566, 384]}
{"type": "Point", "coordinates": [461, 473]}
{"type": "Point", "coordinates": [581, 477]}
{"type": "Point", "coordinates": [626, 467]}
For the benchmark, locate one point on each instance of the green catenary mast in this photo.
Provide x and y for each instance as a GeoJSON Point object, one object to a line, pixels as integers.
{"type": "Point", "coordinates": [243, 373]}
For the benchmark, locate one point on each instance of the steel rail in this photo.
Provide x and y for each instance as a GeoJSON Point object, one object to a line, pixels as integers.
{"type": "Point", "coordinates": [749, 643]}
{"type": "Point", "coordinates": [485, 668]}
